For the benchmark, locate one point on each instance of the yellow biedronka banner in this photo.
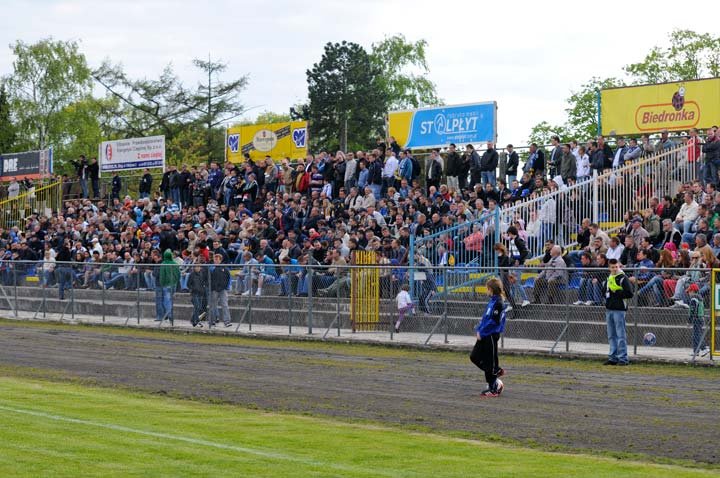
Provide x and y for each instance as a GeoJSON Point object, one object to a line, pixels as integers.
{"type": "Point", "coordinates": [277, 140]}
{"type": "Point", "coordinates": [651, 108]}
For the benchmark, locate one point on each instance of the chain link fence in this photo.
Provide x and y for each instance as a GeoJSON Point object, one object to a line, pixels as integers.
{"type": "Point", "coordinates": [557, 311]}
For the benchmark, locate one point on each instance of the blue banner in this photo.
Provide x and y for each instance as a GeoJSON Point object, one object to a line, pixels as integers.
{"type": "Point", "coordinates": [438, 126]}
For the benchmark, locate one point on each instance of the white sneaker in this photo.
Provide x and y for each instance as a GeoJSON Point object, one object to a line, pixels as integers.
{"type": "Point", "coordinates": [525, 303]}
{"type": "Point", "coordinates": [704, 351]}
{"type": "Point", "coordinates": [578, 302]}
{"type": "Point", "coordinates": [508, 308]}
{"type": "Point", "coordinates": [245, 294]}
{"type": "Point", "coordinates": [588, 302]}
{"type": "Point", "coordinates": [258, 293]}
{"type": "Point", "coordinates": [679, 304]}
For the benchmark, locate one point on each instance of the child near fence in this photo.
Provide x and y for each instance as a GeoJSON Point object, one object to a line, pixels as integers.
{"type": "Point", "coordinates": [404, 305]}
{"type": "Point", "coordinates": [485, 353]}
{"type": "Point", "coordinates": [697, 320]}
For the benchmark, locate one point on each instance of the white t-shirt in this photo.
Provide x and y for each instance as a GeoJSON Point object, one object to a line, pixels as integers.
{"type": "Point", "coordinates": [403, 299]}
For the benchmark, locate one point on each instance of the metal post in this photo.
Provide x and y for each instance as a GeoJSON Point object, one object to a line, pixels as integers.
{"type": "Point", "coordinates": [209, 312]}
{"type": "Point", "coordinates": [44, 304]}
{"type": "Point", "coordinates": [337, 305]}
{"type": "Point", "coordinates": [411, 264]}
{"type": "Point", "coordinates": [596, 199]}
{"type": "Point", "coordinates": [72, 295]}
{"type": "Point", "coordinates": [250, 295]}
{"type": "Point", "coordinates": [633, 305]}
{"type": "Point", "coordinates": [445, 302]}
{"type": "Point", "coordinates": [103, 297]}
{"type": "Point", "coordinates": [137, 285]}
{"type": "Point", "coordinates": [567, 313]}
{"type": "Point", "coordinates": [310, 300]}
{"type": "Point", "coordinates": [289, 301]}
{"type": "Point", "coordinates": [15, 288]}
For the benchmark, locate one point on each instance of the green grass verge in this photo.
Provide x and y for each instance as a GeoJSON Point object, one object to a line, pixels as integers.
{"type": "Point", "coordinates": [52, 429]}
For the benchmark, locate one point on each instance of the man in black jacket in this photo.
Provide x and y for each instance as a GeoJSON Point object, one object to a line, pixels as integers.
{"type": "Point", "coordinates": [488, 165]}
{"type": "Point", "coordinates": [145, 186]}
{"type": "Point", "coordinates": [472, 159]}
{"type": "Point", "coordinates": [63, 271]}
{"type": "Point", "coordinates": [513, 161]}
{"type": "Point", "coordinates": [219, 283]}
{"type": "Point", "coordinates": [618, 291]}
{"type": "Point", "coordinates": [453, 170]}
{"type": "Point", "coordinates": [93, 170]}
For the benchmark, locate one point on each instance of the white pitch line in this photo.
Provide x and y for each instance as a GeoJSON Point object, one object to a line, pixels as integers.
{"type": "Point", "coordinates": [199, 441]}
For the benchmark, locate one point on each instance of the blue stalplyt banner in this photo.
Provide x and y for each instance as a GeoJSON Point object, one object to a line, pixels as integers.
{"type": "Point", "coordinates": [438, 126]}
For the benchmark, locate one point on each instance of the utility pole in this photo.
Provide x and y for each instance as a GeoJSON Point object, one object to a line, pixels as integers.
{"type": "Point", "coordinates": [209, 114]}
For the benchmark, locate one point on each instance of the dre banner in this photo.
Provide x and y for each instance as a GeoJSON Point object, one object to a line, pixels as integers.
{"type": "Point", "coordinates": [28, 164]}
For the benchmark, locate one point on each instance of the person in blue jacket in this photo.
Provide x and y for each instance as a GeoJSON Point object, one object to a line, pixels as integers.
{"type": "Point", "coordinates": [485, 353]}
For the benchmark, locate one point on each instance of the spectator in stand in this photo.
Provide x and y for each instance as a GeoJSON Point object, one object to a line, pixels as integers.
{"type": "Point", "coordinates": [711, 148]}
{"type": "Point", "coordinates": [535, 165]}
{"type": "Point", "coordinates": [454, 168]}
{"type": "Point", "coordinates": [568, 168]}
{"type": "Point", "coordinates": [145, 185]}
{"type": "Point", "coordinates": [488, 165]}
{"type": "Point", "coordinates": [473, 161]}
{"type": "Point", "coordinates": [93, 173]}
{"type": "Point", "coordinates": [556, 157]}
{"type": "Point", "coordinates": [513, 162]}
{"type": "Point", "coordinates": [687, 214]}
{"type": "Point", "coordinates": [433, 171]}
{"type": "Point", "coordinates": [554, 276]}
{"type": "Point", "coordinates": [664, 143]}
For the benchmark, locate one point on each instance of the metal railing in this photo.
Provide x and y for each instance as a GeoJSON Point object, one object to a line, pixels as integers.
{"type": "Point", "coordinates": [42, 201]}
{"type": "Point", "coordinates": [605, 199]}
{"type": "Point", "coordinates": [552, 311]}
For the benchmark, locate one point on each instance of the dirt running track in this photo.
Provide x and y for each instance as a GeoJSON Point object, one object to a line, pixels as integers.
{"type": "Point", "coordinates": [636, 410]}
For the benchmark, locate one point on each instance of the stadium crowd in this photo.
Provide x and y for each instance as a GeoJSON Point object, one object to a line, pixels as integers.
{"type": "Point", "coordinates": [272, 218]}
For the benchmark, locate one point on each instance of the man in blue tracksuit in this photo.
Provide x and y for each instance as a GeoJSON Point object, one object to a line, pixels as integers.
{"type": "Point", "coordinates": [484, 354]}
{"type": "Point", "coordinates": [618, 291]}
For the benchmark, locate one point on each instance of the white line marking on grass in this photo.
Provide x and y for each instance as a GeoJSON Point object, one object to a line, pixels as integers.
{"type": "Point", "coordinates": [199, 441]}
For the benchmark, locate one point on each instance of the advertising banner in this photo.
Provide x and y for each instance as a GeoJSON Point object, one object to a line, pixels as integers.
{"type": "Point", "coordinates": [679, 106]}
{"type": "Point", "coordinates": [437, 126]}
{"type": "Point", "coordinates": [277, 140]}
{"type": "Point", "coordinates": [133, 153]}
{"type": "Point", "coordinates": [28, 164]}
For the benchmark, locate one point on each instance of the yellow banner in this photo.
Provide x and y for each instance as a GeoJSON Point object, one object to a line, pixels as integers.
{"type": "Point", "coordinates": [652, 108]}
{"type": "Point", "coordinates": [277, 140]}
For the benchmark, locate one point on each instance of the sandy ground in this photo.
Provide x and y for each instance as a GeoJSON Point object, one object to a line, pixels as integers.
{"type": "Point", "coordinates": [636, 409]}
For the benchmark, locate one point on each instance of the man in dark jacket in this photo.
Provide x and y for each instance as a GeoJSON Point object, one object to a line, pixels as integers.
{"type": "Point", "coordinates": [145, 186]}
{"type": "Point", "coordinates": [513, 161]}
{"type": "Point", "coordinates": [454, 169]}
{"type": "Point", "coordinates": [618, 291]}
{"type": "Point", "coordinates": [93, 170]}
{"type": "Point", "coordinates": [219, 283]}
{"type": "Point", "coordinates": [116, 185]}
{"type": "Point", "coordinates": [472, 158]}
{"type": "Point", "coordinates": [488, 165]}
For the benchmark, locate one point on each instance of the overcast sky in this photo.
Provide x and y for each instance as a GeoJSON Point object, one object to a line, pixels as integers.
{"type": "Point", "coordinates": [526, 55]}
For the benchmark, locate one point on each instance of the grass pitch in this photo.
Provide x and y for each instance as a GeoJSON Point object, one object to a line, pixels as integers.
{"type": "Point", "coordinates": [59, 430]}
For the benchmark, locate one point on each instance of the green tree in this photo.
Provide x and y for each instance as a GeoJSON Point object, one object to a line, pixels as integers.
{"type": "Point", "coordinates": [541, 133]}
{"type": "Point", "coordinates": [7, 129]}
{"type": "Point", "coordinates": [689, 56]}
{"type": "Point", "coordinates": [267, 117]}
{"type": "Point", "coordinates": [47, 77]}
{"type": "Point", "coordinates": [404, 78]}
{"type": "Point", "coordinates": [347, 101]}
{"type": "Point", "coordinates": [582, 111]}
{"type": "Point", "coordinates": [165, 106]}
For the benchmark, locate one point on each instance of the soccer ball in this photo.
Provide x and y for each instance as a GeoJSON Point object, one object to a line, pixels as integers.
{"type": "Point", "coordinates": [500, 386]}
{"type": "Point", "coordinates": [649, 339]}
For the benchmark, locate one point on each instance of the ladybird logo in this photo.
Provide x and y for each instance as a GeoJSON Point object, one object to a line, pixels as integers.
{"type": "Point", "coordinates": [679, 113]}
